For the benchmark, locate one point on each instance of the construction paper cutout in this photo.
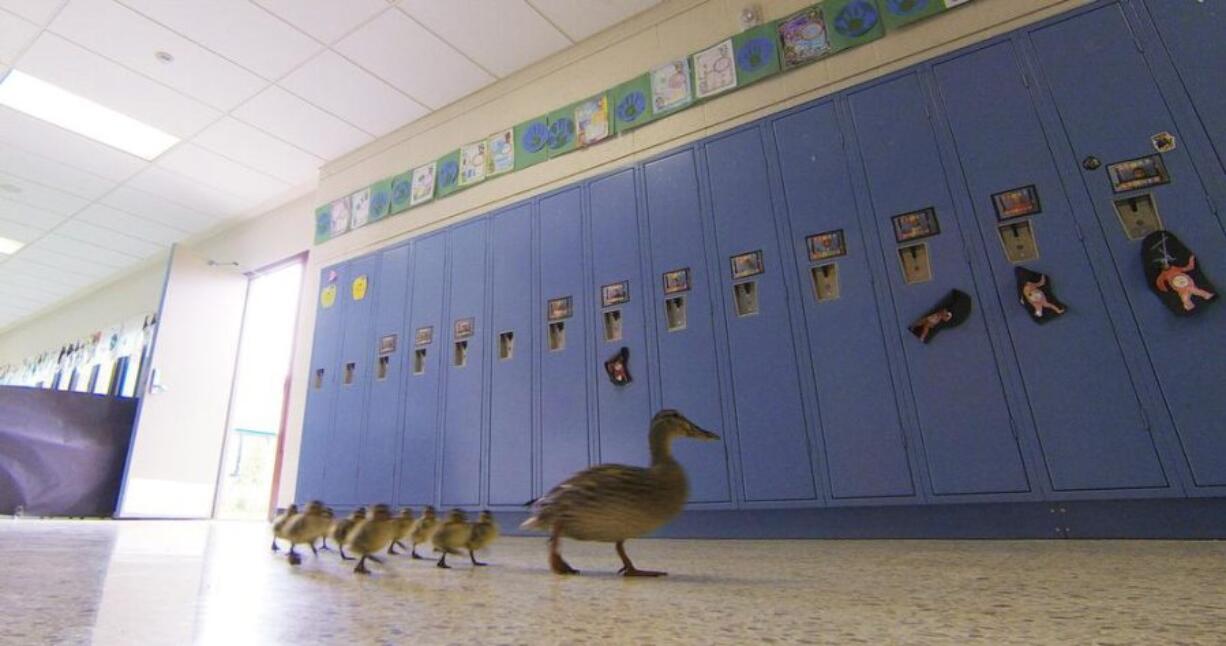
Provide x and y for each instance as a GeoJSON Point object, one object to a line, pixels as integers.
{"type": "Point", "coordinates": [714, 70]}
{"type": "Point", "coordinates": [358, 288]}
{"type": "Point", "coordinates": [951, 312]}
{"type": "Point", "coordinates": [618, 367]}
{"type": "Point", "coordinates": [472, 163]}
{"type": "Point", "coordinates": [323, 223]}
{"type": "Point", "coordinates": [501, 153]}
{"type": "Point", "coordinates": [340, 216]}
{"type": "Point", "coordinates": [380, 199]}
{"type": "Point", "coordinates": [632, 103]}
{"type": "Point", "coordinates": [531, 138]}
{"type": "Point", "coordinates": [448, 173]}
{"type": "Point", "coordinates": [327, 297]}
{"type": "Point", "coordinates": [1174, 275]}
{"type": "Point", "coordinates": [1037, 296]}
{"type": "Point", "coordinates": [561, 139]}
{"type": "Point", "coordinates": [670, 86]}
{"type": "Point", "coordinates": [853, 22]}
{"type": "Point", "coordinates": [904, 12]}
{"type": "Point", "coordinates": [804, 37]}
{"type": "Point", "coordinates": [592, 120]}
{"type": "Point", "coordinates": [422, 188]}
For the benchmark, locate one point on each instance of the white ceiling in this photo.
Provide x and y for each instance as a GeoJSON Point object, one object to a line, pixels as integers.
{"type": "Point", "coordinates": [262, 92]}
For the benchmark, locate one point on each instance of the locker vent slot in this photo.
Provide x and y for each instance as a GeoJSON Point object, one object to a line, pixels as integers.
{"type": "Point", "coordinates": [915, 267]}
{"type": "Point", "coordinates": [674, 313]}
{"type": "Point", "coordinates": [1138, 215]}
{"type": "Point", "coordinates": [825, 281]}
{"type": "Point", "coordinates": [319, 379]}
{"type": "Point", "coordinates": [613, 325]}
{"type": "Point", "coordinates": [381, 370]}
{"type": "Point", "coordinates": [419, 361]}
{"type": "Point", "coordinates": [745, 295]}
{"type": "Point", "coordinates": [1018, 240]}
{"type": "Point", "coordinates": [350, 369]}
{"type": "Point", "coordinates": [506, 345]}
{"type": "Point", "coordinates": [557, 336]}
{"type": "Point", "coordinates": [460, 357]}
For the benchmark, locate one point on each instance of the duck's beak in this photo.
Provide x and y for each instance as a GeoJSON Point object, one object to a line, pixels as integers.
{"type": "Point", "coordinates": [704, 434]}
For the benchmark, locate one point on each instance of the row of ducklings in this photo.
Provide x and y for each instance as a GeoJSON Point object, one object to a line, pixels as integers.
{"type": "Point", "coordinates": [365, 535]}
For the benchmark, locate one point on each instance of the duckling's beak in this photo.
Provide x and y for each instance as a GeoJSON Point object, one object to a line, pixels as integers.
{"type": "Point", "coordinates": [703, 434]}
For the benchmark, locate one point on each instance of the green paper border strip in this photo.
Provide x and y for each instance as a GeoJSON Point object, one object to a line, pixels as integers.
{"type": "Point", "coordinates": [630, 103]}
{"type": "Point", "coordinates": [531, 142]}
{"type": "Point", "coordinates": [897, 13]}
{"type": "Point", "coordinates": [447, 174]}
{"type": "Point", "coordinates": [853, 23]}
{"type": "Point", "coordinates": [402, 189]}
{"type": "Point", "coordinates": [380, 199]}
{"type": "Point", "coordinates": [756, 53]}
{"type": "Point", "coordinates": [562, 133]}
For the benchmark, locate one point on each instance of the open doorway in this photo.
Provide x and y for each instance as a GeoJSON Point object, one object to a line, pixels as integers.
{"type": "Point", "coordinates": [257, 403]}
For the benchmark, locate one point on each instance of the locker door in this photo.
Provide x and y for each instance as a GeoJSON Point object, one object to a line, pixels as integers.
{"type": "Point", "coordinates": [562, 339]}
{"type": "Point", "coordinates": [623, 411]}
{"type": "Point", "coordinates": [1111, 114]}
{"type": "Point", "coordinates": [424, 338]}
{"type": "Point", "coordinates": [684, 334]}
{"type": "Point", "coordinates": [321, 384]}
{"type": "Point", "coordinates": [774, 448]}
{"type": "Point", "coordinates": [1090, 425]}
{"type": "Point", "coordinates": [865, 447]}
{"type": "Point", "coordinates": [968, 437]}
{"type": "Point", "coordinates": [464, 396]}
{"type": "Point", "coordinates": [353, 374]}
{"type": "Point", "coordinates": [388, 347]}
{"type": "Point", "coordinates": [511, 327]}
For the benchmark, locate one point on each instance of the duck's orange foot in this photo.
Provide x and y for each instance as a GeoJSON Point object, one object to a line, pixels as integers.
{"type": "Point", "coordinates": [560, 566]}
{"type": "Point", "coordinates": [632, 571]}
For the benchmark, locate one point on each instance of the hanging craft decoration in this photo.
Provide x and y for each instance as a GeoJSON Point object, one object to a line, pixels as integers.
{"type": "Point", "coordinates": [500, 151]}
{"type": "Point", "coordinates": [952, 311]}
{"type": "Point", "coordinates": [340, 216]}
{"type": "Point", "coordinates": [592, 121]}
{"type": "Point", "coordinates": [422, 184]}
{"type": "Point", "coordinates": [561, 139]}
{"type": "Point", "coordinates": [756, 53]}
{"type": "Point", "coordinates": [670, 86]}
{"type": "Point", "coordinates": [472, 163]}
{"type": "Point", "coordinates": [632, 103]}
{"type": "Point", "coordinates": [531, 141]}
{"type": "Point", "coordinates": [402, 189]}
{"type": "Point", "coordinates": [380, 199]}
{"type": "Point", "coordinates": [448, 172]}
{"type": "Point", "coordinates": [714, 70]}
{"type": "Point", "coordinates": [1034, 292]}
{"type": "Point", "coordinates": [327, 297]}
{"type": "Point", "coordinates": [358, 288]}
{"type": "Point", "coordinates": [853, 23]}
{"type": "Point", "coordinates": [618, 367]}
{"type": "Point", "coordinates": [323, 223]}
{"type": "Point", "coordinates": [904, 12]}
{"type": "Point", "coordinates": [1172, 272]}
{"type": "Point", "coordinates": [359, 208]}
{"type": "Point", "coordinates": [804, 37]}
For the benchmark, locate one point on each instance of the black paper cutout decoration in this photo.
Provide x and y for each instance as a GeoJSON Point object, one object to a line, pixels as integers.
{"type": "Point", "coordinates": [1172, 272]}
{"type": "Point", "coordinates": [1035, 293]}
{"type": "Point", "coordinates": [618, 367]}
{"type": "Point", "coordinates": [951, 312]}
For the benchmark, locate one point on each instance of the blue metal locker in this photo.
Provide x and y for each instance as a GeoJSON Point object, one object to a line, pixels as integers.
{"type": "Point", "coordinates": [387, 347]}
{"type": "Point", "coordinates": [1091, 428]}
{"type": "Point", "coordinates": [623, 411]}
{"type": "Point", "coordinates": [1111, 114]}
{"type": "Point", "coordinates": [688, 365]}
{"type": "Point", "coordinates": [321, 384]}
{"type": "Point", "coordinates": [562, 341]}
{"type": "Point", "coordinates": [969, 439]}
{"type": "Point", "coordinates": [511, 370]}
{"type": "Point", "coordinates": [344, 445]}
{"type": "Point", "coordinates": [776, 463]}
{"type": "Point", "coordinates": [424, 341]}
{"type": "Point", "coordinates": [861, 429]}
{"type": "Point", "coordinates": [464, 394]}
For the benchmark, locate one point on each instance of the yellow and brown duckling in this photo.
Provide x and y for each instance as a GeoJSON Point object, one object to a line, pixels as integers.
{"type": "Point", "coordinates": [422, 530]}
{"type": "Point", "coordinates": [483, 533]}
{"type": "Point", "coordinates": [278, 524]}
{"type": "Point", "coordinates": [323, 544]}
{"type": "Point", "coordinates": [613, 503]}
{"type": "Point", "coordinates": [306, 527]}
{"type": "Point", "coordinates": [371, 536]}
{"type": "Point", "coordinates": [342, 527]}
{"type": "Point", "coordinates": [404, 525]}
{"type": "Point", "coordinates": [451, 536]}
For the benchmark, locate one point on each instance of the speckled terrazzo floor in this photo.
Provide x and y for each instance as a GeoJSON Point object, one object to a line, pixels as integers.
{"type": "Point", "coordinates": [217, 583]}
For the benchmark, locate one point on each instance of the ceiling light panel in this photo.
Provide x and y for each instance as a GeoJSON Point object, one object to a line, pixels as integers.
{"type": "Point", "coordinates": [10, 246]}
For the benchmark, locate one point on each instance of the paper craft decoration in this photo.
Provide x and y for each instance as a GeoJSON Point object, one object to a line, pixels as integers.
{"type": "Point", "coordinates": [1163, 142]}
{"type": "Point", "coordinates": [853, 23]}
{"type": "Point", "coordinates": [340, 216]}
{"type": "Point", "coordinates": [951, 312]}
{"type": "Point", "coordinates": [327, 297]}
{"type": "Point", "coordinates": [358, 288]}
{"type": "Point", "coordinates": [804, 37]}
{"type": "Point", "coordinates": [757, 53]}
{"type": "Point", "coordinates": [592, 120]}
{"type": "Point", "coordinates": [448, 174]}
{"type": "Point", "coordinates": [531, 142]}
{"type": "Point", "coordinates": [402, 191]}
{"type": "Point", "coordinates": [670, 86]}
{"type": "Point", "coordinates": [561, 139]}
{"type": "Point", "coordinates": [380, 199]}
{"type": "Point", "coordinates": [323, 223]}
{"type": "Point", "coordinates": [423, 184]}
{"type": "Point", "coordinates": [1174, 275]}
{"type": "Point", "coordinates": [500, 149]}
{"type": "Point", "coordinates": [714, 70]}
{"type": "Point", "coordinates": [1035, 293]}
{"type": "Point", "coordinates": [359, 208]}
{"type": "Point", "coordinates": [472, 163]}
{"type": "Point", "coordinates": [904, 12]}
{"type": "Point", "coordinates": [632, 103]}
{"type": "Point", "coordinates": [618, 367]}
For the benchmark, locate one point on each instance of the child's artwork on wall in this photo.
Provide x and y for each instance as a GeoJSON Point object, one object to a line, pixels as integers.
{"type": "Point", "coordinates": [902, 12]}
{"type": "Point", "coordinates": [380, 199]}
{"type": "Point", "coordinates": [340, 216]}
{"type": "Point", "coordinates": [359, 209]}
{"type": "Point", "coordinates": [670, 86]}
{"type": "Point", "coordinates": [592, 120]}
{"type": "Point", "coordinates": [757, 53]}
{"type": "Point", "coordinates": [423, 184]}
{"type": "Point", "coordinates": [402, 191]}
{"type": "Point", "coordinates": [501, 150]}
{"type": "Point", "coordinates": [531, 142]}
{"type": "Point", "coordinates": [632, 103]}
{"type": "Point", "coordinates": [714, 70]}
{"type": "Point", "coordinates": [804, 37]}
{"type": "Point", "coordinates": [561, 139]}
{"type": "Point", "coordinates": [448, 174]}
{"type": "Point", "coordinates": [323, 223]}
{"type": "Point", "coordinates": [853, 23]}
{"type": "Point", "coordinates": [472, 163]}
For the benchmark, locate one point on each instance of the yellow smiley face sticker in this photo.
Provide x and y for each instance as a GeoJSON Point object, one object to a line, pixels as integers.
{"type": "Point", "coordinates": [359, 287]}
{"type": "Point", "coordinates": [327, 298]}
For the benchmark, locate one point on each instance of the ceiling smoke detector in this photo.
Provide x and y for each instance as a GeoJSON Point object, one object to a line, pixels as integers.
{"type": "Point", "coordinates": [750, 17]}
{"type": "Point", "coordinates": [164, 56]}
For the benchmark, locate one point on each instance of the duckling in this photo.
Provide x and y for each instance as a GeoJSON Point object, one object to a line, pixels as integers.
{"type": "Point", "coordinates": [452, 535]}
{"type": "Point", "coordinates": [305, 528]}
{"type": "Point", "coordinates": [372, 535]}
{"type": "Point", "coordinates": [484, 531]}
{"type": "Point", "coordinates": [613, 503]}
{"type": "Point", "coordinates": [404, 525]}
{"type": "Point", "coordinates": [323, 545]}
{"type": "Point", "coordinates": [278, 524]}
{"type": "Point", "coordinates": [342, 527]}
{"type": "Point", "coordinates": [422, 529]}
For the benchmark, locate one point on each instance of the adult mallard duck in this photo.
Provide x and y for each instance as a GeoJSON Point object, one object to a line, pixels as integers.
{"type": "Point", "coordinates": [612, 503]}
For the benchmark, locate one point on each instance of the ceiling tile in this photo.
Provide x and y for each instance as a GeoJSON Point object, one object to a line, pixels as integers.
{"type": "Point", "coordinates": [25, 165]}
{"type": "Point", "coordinates": [156, 208]}
{"type": "Point", "coordinates": [582, 19]}
{"type": "Point", "coordinates": [195, 71]}
{"type": "Point", "coordinates": [255, 148]}
{"type": "Point", "coordinates": [408, 56]}
{"type": "Point", "coordinates": [27, 215]}
{"type": "Point", "coordinates": [23, 191]}
{"type": "Point", "coordinates": [83, 72]}
{"type": "Point", "coordinates": [19, 231]}
{"type": "Point", "coordinates": [39, 253]}
{"type": "Point", "coordinates": [183, 190]}
{"type": "Point", "coordinates": [52, 142]}
{"type": "Point", "coordinates": [236, 29]}
{"type": "Point", "coordinates": [83, 250]}
{"type": "Point", "coordinates": [110, 218]}
{"type": "Point", "coordinates": [36, 11]}
{"type": "Point", "coordinates": [15, 33]}
{"type": "Point", "coordinates": [357, 96]}
{"type": "Point", "coordinates": [326, 20]}
{"type": "Point", "coordinates": [38, 293]}
{"type": "Point", "coordinates": [109, 238]}
{"type": "Point", "coordinates": [501, 35]}
{"type": "Point", "coordinates": [25, 267]}
{"type": "Point", "coordinates": [210, 169]}
{"type": "Point", "coordinates": [300, 123]}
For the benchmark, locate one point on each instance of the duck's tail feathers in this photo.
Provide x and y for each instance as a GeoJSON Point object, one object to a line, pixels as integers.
{"type": "Point", "coordinates": [531, 502]}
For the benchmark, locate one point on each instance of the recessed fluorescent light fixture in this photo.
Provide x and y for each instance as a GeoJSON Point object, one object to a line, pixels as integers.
{"type": "Point", "coordinates": [42, 100]}
{"type": "Point", "coordinates": [9, 246]}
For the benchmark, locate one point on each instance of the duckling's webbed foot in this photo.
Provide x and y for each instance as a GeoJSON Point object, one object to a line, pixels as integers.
{"type": "Point", "coordinates": [376, 559]}
{"type": "Point", "coordinates": [473, 558]}
{"type": "Point", "coordinates": [274, 546]}
{"type": "Point", "coordinates": [628, 568]}
{"type": "Point", "coordinates": [442, 562]}
{"type": "Point", "coordinates": [313, 550]}
{"type": "Point", "coordinates": [345, 557]}
{"type": "Point", "coordinates": [294, 559]}
{"type": "Point", "coordinates": [361, 567]}
{"type": "Point", "coordinates": [399, 544]}
{"type": "Point", "coordinates": [324, 545]}
{"type": "Point", "coordinates": [413, 553]}
{"type": "Point", "coordinates": [391, 549]}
